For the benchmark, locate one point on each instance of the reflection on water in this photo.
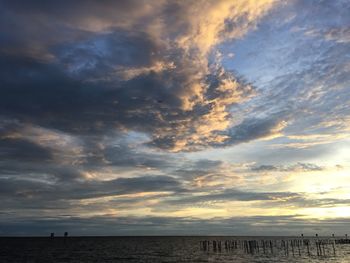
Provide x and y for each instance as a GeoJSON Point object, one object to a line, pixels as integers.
{"type": "Point", "coordinates": [173, 249]}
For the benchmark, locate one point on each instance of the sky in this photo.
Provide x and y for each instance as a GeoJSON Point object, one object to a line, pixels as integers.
{"type": "Point", "coordinates": [171, 117]}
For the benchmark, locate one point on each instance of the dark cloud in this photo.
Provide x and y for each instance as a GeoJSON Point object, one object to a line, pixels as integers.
{"type": "Point", "coordinates": [256, 128]}
{"type": "Point", "coordinates": [198, 168]}
{"type": "Point", "coordinates": [115, 151]}
{"type": "Point", "coordinates": [19, 149]}
{"type": "Point", "coordinates": [265, 167]}
{"type": "Point", "coordinates": [53, 98]}
{"type": "Point", "coordinates": [32, 28]}
{"type": "Point", "coordinates": [39, 190]}
{"type": "Point", "coordinates": [101, 56]}
{"type": "Point", "coordinates": [115, 78]}
{"type": "Point", "coordinates": [207, 164]}
{"type": "Point", "coordinates": [305, 167]}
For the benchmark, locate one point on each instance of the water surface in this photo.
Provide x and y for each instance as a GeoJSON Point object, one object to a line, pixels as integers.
{"type": "Point", "coordinates": [151, 249]}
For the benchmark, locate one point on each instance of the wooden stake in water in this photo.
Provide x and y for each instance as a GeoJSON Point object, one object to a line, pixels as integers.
{"type": "Point", "coordinates": [318, 252]}
{"type": "Point", "coordinates": [271, 247]}
{"type": "Point", "coordinates": [324, 252]}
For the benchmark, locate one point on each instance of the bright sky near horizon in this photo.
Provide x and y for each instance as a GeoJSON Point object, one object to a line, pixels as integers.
{"type": "Point", "coordinates": [174, 117]}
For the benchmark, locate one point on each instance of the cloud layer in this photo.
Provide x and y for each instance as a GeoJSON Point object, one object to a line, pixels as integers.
{"type": "Point", "coordinates": [169, 114]}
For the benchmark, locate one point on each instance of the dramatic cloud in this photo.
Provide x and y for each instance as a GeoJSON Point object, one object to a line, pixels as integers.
{"type": "Point", "coordinates": [157, 79]}
{"type": "Point", "coordinates": [173, 112]}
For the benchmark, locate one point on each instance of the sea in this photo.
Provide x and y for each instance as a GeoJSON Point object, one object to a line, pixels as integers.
{"type": "Point", "coordinates": [168, 249]}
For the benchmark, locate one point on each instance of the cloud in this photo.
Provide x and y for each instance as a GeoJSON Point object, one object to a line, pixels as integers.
{"type": "Point", "coordinates": [23, 192]}
{"type": "Point", "coordinates": [216, 21]}
{"type": "Point", "coordinates": [231, 195]}
{"type": "Point", "coordinates": [252, 129]}
{"type": "Point", "coordinates": [17, 149]}
{"type": "Point", "coordinates": [157, 79]}
{"type": "Point", "coordinates": [103, 105]}
{"type": "Point", "coordinates": [303, 86]}
{"type": "Point", "coordinates": [339, 35]}
{"type": "Point", "coordinates": [299, 167]}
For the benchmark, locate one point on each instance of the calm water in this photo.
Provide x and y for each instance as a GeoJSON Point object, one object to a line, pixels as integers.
{"type": "Point", "coordinates": [147, 249]}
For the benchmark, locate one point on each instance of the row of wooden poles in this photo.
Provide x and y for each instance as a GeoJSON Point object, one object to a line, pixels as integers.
{"type": "Point", "coordinates": [295, 247]}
